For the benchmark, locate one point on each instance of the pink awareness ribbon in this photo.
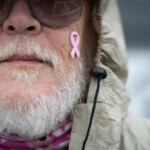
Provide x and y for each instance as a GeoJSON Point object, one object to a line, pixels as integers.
{"type": "Point", "coordinates": [75, 39]}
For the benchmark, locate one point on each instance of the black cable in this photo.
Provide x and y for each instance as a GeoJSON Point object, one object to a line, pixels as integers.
{"type": "Point", "coordinates": [101, 74]}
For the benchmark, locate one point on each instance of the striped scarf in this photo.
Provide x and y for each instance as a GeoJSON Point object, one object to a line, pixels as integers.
{"type": "Point", "coordinates": [56, 140]}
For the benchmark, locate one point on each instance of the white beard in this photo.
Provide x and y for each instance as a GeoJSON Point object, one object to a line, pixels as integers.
{"type": "Point", "coordinates": [46, 112]}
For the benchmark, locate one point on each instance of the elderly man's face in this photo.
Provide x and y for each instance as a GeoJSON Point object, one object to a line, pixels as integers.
{"type": "Point", "coordinates": [40, 82]}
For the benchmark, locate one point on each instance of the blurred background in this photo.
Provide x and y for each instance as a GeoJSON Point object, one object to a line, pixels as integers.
{"type": "Point", "coordinates": [136, 21]}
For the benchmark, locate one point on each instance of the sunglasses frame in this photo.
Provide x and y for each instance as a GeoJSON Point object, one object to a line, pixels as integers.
{"type": "Point", "coordinates": [34, 16]}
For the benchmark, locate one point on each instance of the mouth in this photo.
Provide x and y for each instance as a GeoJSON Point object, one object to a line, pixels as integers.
{"type": "Point", "coordinates": [23, 59]}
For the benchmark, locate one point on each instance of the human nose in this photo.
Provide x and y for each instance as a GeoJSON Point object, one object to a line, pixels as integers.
{"type": "Point", "coordinates": [20, 20]}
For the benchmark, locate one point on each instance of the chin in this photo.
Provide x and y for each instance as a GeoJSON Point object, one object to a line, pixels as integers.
{"type": "Point", "coordinates": [34, 110]}
{"type": "Point", "coordinates": [22, 82]}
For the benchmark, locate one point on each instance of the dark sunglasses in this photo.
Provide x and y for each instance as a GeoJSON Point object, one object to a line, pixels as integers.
{"type": "Point", "coordinates": [52, 13]}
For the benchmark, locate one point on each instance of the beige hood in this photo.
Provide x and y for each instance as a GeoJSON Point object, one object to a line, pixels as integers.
{"type": "Point", "coordinates": [113, 98]}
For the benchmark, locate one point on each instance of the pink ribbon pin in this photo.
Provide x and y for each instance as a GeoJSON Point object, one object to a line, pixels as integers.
{"type": "Point", "coordinates": [75, 39]}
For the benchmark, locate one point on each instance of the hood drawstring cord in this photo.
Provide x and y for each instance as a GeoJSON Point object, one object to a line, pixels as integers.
{"type": "Point", "coordinates": [100, 74]}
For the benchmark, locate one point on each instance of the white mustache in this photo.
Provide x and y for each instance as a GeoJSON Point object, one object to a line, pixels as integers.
{"type": "Point", "coordinates": [29, 48]}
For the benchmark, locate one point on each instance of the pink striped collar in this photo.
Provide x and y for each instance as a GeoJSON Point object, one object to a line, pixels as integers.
{"type": "Point", "coordinates": [57, 139]}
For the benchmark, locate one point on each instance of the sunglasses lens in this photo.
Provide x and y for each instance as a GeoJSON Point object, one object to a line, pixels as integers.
{"type": "Point", "coordinates": [57, 13]}
{"type": "Point", "coordinates": [4, 9]}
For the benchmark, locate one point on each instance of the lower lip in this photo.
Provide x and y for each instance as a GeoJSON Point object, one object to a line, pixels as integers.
{"type": "Point", "coordinates": [27, 63]}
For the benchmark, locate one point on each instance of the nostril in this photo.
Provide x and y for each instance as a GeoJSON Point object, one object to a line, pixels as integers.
{"type": "Point", "coordinates": [26, 25]}
{"type": "Point", "coordinates": [31, 28]}
{"type": "Point", "coordinates": [11, 28]}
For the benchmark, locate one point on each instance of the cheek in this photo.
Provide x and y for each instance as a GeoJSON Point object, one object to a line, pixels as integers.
{"type": "Point", "coordinates": [60, 38]}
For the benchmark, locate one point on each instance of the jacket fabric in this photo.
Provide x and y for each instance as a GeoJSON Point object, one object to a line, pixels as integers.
{"type": "Point", "coordinates": [112, 128]}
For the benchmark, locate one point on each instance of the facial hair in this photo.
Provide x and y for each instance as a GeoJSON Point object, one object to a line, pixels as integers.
{"type": "Point", "coordinates": [34, 116]}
